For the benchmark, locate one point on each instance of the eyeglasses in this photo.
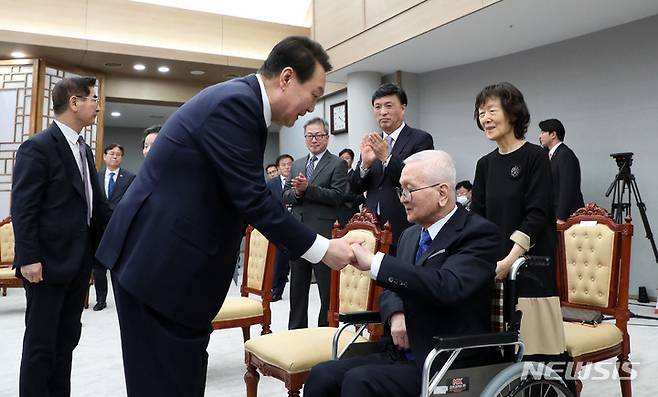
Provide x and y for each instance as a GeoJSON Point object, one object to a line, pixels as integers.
{"type": "Point", "coordinates": [90, 98]}
{"type": "Point", "coordinates": [406, 193]}
{"type": "Point", "coordinates": [318, 137]}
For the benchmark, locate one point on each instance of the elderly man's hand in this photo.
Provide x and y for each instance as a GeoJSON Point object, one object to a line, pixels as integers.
{"type": "Point", "coordinates": [363, 257]}
{"type": "Point", "coordinates": [399, 331]}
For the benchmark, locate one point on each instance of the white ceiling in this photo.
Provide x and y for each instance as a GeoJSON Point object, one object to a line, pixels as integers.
{"type": "Point", "coordinates": [503, 28]}
{"type": "Point", "coordinates": [135, 115]}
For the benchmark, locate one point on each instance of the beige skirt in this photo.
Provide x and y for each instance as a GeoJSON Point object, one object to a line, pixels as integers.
{"type": "Point", "coordinates": [542, 331]}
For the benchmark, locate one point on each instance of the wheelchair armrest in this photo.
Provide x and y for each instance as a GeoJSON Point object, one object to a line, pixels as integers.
{"type": "Point", "coordinates": [498, 338]}
{"type": "Point", "coordinates": [368, 317]}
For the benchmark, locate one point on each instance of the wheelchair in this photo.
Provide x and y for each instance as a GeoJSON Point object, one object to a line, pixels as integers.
{"type": "Point", "coordinates": [512, 377]}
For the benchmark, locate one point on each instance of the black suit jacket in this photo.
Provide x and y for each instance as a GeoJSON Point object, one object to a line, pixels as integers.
{"type": "Point", "coordinates": [449, 292]}
{"type": "Point", "coordinates": [173, 240]}
{"type": "Point", "coordinates": [380, 182]}
{"type": "Point", "coordinates": [318, 206]}
{"type": "Point", "coordinates": [275, 187]}
{"type": "Point", "coordinates": [48, 207]}
{"type": "Point", "coordinates": [122, 181]}
{"type": "Point", "coordinates": [565, 168]}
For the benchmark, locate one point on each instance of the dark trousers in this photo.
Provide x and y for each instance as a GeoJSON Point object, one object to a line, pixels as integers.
{"type": "Point", "coordinates": [52, 331]}
{"type": "Point", "coordinates": [300, 283]}
{"type": "Point", "coordinates": [378, 374]}
{"type": "Point", "coordinates": [281, 270]}
{"type": "Point", "coordinates": [160, 357]}
{"type": "Point", "coordinates": [100, 282]}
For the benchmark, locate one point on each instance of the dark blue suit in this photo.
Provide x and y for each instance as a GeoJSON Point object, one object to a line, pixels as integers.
{"type": "Point", "coordinates": [380, 182]}
{"type": "Point", "coordinates": [174, 239]}
{"type": "Point", "coordinates": [49, 215]}
{"type": "Point", "coordinates": [447, 292]}
{"type": "Point", "coordinates": [282, 260]}
{"type": "Point", "coordinates": [122, 179]}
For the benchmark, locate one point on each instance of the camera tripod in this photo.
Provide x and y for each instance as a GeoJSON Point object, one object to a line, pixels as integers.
{"type": "Point", "coordinates": [623, 187]}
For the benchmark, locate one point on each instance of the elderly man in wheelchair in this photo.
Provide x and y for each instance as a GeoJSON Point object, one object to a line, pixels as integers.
{"type": "Point", "coordinates": [436, 307]}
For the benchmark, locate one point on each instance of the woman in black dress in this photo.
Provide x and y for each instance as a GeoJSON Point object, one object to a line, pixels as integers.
{"type": "Point", "coordinates": [513, 189]}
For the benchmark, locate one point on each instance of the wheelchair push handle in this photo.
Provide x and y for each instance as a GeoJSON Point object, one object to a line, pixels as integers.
{"type": "Point", "coordinates": [526, 261]}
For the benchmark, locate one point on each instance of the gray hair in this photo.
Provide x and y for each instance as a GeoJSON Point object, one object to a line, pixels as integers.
{"type": "Point", "coordinates": [317, 120]}
{"type": "Point", "coordinates": [438, 166]}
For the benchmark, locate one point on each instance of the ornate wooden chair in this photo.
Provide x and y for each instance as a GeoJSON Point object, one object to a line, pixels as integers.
{"type": "Point", "coordinates": [593, 273]}
{"type": "Point", "coordinates": [290, 355]}
{"type": "Point", "coordinates": [243, 311]}
{"type": "Point", "coordinates": [8, 277]}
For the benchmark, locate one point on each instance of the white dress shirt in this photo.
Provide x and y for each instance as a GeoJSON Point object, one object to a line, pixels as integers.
{"type": "Point", "coordinates": [321, 244]}
{"type": "Point", "coordinates": [72, 138]}
{"type": "Point", "coordinates": [432, 230]}
{"type": "Point", "coordinates": [107, 180]}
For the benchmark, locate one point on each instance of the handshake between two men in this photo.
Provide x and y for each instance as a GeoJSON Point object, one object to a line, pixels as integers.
{"type": "Point", "coordinates": [347, 251]}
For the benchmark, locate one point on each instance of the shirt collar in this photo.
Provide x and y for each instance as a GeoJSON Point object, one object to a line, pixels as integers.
{"type": "Point", "coordinates": [438, 225]}
{"type": "Point", "coordinates": [70, 135]}
{"type": "Point", "coordinates": [395, 134]}
{"type": "Point", "coordinates": [319, 156]}
{"type": "Point", "coordinates": [116, 172]}
{"type": "Point", "coordinates": [553, 149]}
{"type": "Point", "coordinates": [267, 109]}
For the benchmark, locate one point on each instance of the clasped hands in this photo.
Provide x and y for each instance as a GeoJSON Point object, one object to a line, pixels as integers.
{"type": "Point", "coordinates": [348, 250]}
{"type": "Point", "coordinates": [373, 147]}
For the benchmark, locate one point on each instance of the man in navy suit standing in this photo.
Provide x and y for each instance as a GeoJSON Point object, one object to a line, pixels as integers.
{"type": "Point", "coordinates": [282, 260]}
{"type": "Point", "coordinates": [58, 213]}
{"type": "Point", "coordinates": [439, 283]}
{"type": "Point", "coordinates": [174, 238]}
{"type": "Point", "coordinates": [382, 156]}
{"type": "Point", "coordinates": [114, 180]}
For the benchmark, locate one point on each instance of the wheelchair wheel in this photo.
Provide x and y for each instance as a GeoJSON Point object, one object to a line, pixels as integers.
{"type": "Point", "coordinates": [515, 382]}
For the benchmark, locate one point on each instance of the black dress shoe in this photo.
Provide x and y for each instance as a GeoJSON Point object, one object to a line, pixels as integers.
{"type": "Point", "coordinates": [100, 306]}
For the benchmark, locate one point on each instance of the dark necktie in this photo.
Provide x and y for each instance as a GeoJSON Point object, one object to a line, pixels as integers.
{"type": "Point", "coordinates": [310, 167]}
{"type": "Point", "coordinates": [423, 244]}
{"type": "Point", "coordinates": [85, 174]}
{"type": "Point", "coordinates": [110, 185]}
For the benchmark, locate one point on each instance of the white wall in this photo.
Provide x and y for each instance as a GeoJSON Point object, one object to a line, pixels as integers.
{"type": "Point", "coordinates": [291, 140]}
{"type": "Point", "coordinates": [131, 140]}
{"type": "Point", "coordinates": [603, 87]}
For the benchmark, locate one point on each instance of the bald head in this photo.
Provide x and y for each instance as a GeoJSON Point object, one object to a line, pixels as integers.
{"type": "Point", "coordinates": [437, 166]}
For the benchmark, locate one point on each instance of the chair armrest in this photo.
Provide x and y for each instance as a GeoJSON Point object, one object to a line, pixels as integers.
{"type": "Point", "coordinates": [498, 338]}
{"type": "Point", "coordinates": [369, 317]}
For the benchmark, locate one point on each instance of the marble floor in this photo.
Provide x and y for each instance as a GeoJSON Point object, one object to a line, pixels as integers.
{"type": "Point", "coordinates": [98, 370]}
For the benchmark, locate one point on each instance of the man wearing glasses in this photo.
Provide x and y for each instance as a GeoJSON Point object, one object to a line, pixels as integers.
{"type": "Point", "coordinates": [315, 193]}
{"type": "Point", "coordinates": [58, 212]}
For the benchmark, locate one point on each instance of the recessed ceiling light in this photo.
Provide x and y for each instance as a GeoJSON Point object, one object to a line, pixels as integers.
{"type": "Point", "coordinates": [113, 64]}
{"type": "Point", "coordinates": [115, 114]}
{"type": "Point", "coordinates": [18, 54]}
{"type": "Point", "coordinates": [163, 69]}
{"type": "Point", "coordinates": [139, 66]}
{"type": "Point", "coordinates": [197, 72]}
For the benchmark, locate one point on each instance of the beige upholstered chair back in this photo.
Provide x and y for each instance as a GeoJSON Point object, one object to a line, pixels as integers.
{"type": "Point", "coordinates": [258, 246]}
{"type": "Point", "coordinates": [7, 243]}
{"type": "Point", "coordinates": [589, 249]}
{"type": "Point", "coordinates": [355, 284]}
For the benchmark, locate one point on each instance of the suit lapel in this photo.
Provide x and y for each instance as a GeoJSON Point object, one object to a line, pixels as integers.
{"type": "Point", "coordinates": [321, 165]}
{"type": "Point", "coordinates": [65, 154]}
{"type": "Point", "coordinates": [101, 181]}
{"type": "Point", "coordinates": [446, 236]}
{"type": "Point", "coordinates": [403, 139]}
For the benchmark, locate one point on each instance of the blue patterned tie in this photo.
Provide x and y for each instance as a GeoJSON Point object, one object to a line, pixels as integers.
{"type": "Point", "coordinates": [310, 166]}
{"type": "Point", "coordinates": [423, 244]}
{"type": "Point", "coordinates": [110, 185]}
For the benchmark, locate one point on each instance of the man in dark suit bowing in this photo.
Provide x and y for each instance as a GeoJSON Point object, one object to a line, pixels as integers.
{"type": "Point", "coordinates": [174, 238]}
{"type": "Point", "coordinates": [438, 284]}
{"type": "Point", "coordinates": [282, 260]}
{"type": "Point", "coordinates": [114, 180]}
{"type": "Point", "coordinates": [382, 155]}
{"type": "Point", "coordinates": [565, 169]}
{"type": "Point", "coordinates": [58, 213]}
{"type": "Point", "coordinates": [315, 193]}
